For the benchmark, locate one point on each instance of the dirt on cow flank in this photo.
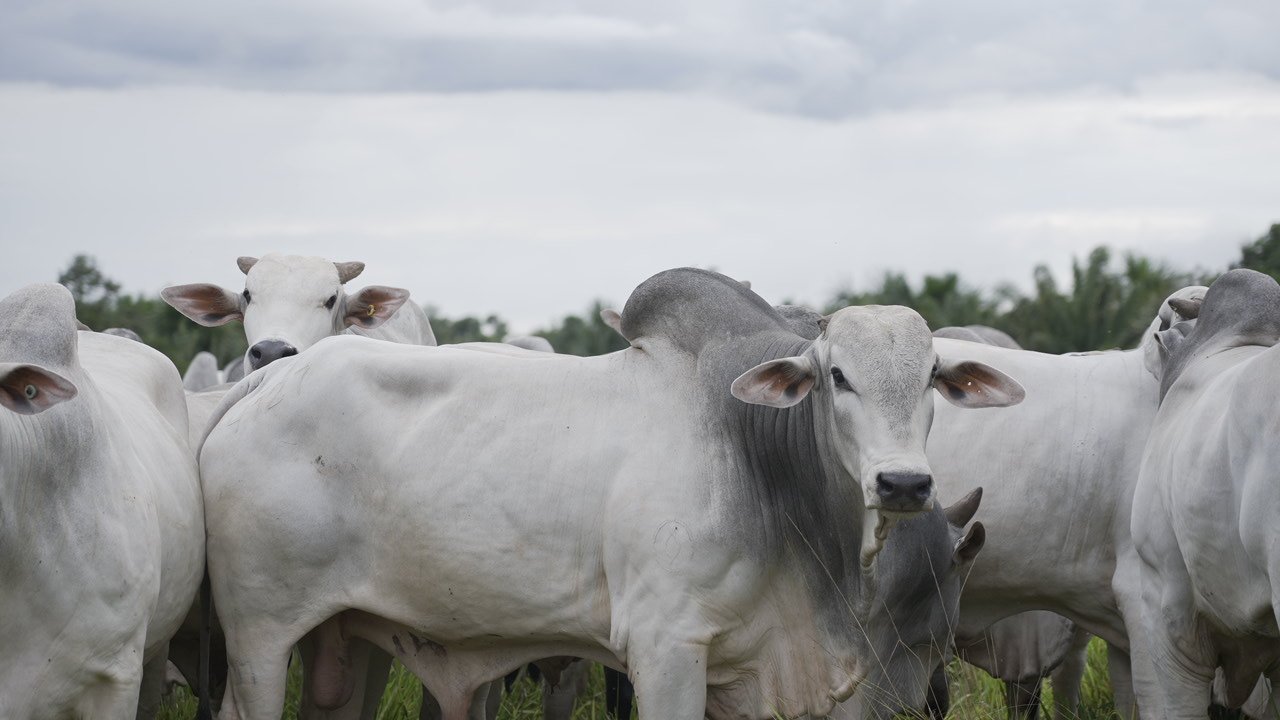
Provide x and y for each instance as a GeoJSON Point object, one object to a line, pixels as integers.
{"type": "Point", "coordinates": [974, 696]}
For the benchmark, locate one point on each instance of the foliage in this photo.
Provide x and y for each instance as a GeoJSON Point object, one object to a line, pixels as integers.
{"type": "Point", "coordinates": [1263, 254]}
{"type": "Point", "coordinates": [100, 305]}
{"type": "Point", "coordinates": [584, 335]}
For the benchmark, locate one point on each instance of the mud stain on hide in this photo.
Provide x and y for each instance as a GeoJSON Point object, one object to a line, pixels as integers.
{"type": "Point", "coordinates": [419, 643]}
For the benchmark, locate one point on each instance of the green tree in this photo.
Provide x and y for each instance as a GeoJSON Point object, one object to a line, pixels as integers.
{"type": "Point", "coordinates": [1263, 254]}
{"type": "Point", "coordinates": [942, 300]}
{"type": "Point", "coordinates": [585, 336]}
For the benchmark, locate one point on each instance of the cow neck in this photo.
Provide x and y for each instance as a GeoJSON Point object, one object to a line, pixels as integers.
{"type": "Point", "coordinates": [793, 507]}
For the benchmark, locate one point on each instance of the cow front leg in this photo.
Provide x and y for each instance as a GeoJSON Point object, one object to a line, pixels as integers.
{"type": "Point", "coordinates": [1121, 674]}
{"type": "Point", "coordinates": [671, 683]}
{"type": "Point", "coordinates": [154, 681]}
{"type": "Point", "coordinates": [1068, 676]}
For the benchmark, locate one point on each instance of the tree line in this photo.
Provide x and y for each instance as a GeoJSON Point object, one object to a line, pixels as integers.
{"type": "Point", "coordinates": [1107, 305]}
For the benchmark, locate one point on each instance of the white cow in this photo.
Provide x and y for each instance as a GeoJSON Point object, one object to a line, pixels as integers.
{"type": "Point", "coordinates": [667, 508]}
{"type": "Point", "coordinates": [101, 526]}
{"type": "Point", "coordinates": [1205, 510]}
{"type": "Point", "coordinates": [202, 373]}
{"type": "Point", "coordinates": [1067, 461]}
{"type": "Point", "coordinates": [1024, 649]}
{"type": "Point", "coordinates": [291, 302]}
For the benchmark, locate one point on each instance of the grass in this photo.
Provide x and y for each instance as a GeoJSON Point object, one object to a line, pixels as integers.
{"type": "Point", "coordinates": [974, 696]}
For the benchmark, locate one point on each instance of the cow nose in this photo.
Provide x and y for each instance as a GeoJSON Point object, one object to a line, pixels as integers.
{"type": "Point", "coordinates": [268, 351]}
{"type": "Point", "coordinates": [903, 491]}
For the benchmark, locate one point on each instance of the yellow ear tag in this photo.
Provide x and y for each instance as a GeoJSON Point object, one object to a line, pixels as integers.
{"type": "Point", "coordinates": [372, 309]}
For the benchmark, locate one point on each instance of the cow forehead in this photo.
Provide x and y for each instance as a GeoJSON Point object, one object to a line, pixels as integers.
{"type": "Point", "coordinates": [292, 274]}
{"type": "Point", "coordinates": [875, 333]}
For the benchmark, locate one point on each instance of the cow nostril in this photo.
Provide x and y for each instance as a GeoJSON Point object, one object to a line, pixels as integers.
{"type": "Point", "coordinates": [256, 354]}
{"type": "Point", "coordinates": [923, 488]}
{"type": "Point", "coordinates": [883, 487]}
{"type": "Point", "coordinates": [289, 351]}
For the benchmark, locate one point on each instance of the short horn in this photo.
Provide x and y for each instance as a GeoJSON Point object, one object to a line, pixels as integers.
{"type": "Point", "coordinates": [963, 511]}
{"type": "Point", "coordinates": [348, 271]}
{"type": "Point", "coordinates": [246, 263]}
{"type": "Point", "coordinates": [1188, 308]}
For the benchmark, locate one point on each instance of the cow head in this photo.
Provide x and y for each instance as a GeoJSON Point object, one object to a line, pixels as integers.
{"type": "Point", "coordinates": [288, 304]}
{"type": "Point", "coordinates": [916, 607]}
{"type": "Point", "coordinates": [872, 370]}
{"type": "Point", "coordinates": [1180, 307]}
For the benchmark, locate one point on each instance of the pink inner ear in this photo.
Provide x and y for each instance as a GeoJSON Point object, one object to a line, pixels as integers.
{"type": "Point", "coordinates": [28, 389]}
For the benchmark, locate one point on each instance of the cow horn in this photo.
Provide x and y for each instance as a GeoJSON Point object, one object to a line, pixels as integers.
{"type": "Point", "coordinates": [348, 271]}
{"type": "Point", "coordinates": [1188, 308]}
{"type": "Point", "coordinates": [822, 324]}
{"type": "Point", "coordinates": [963, 511]}
{"type": "Point", "coordinates": [246, 263]}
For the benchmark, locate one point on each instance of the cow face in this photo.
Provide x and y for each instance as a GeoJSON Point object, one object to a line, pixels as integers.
{"type": "Point", "coordinates": [872, 370]}
{"type": "Point", "coordinates": [288, 304]}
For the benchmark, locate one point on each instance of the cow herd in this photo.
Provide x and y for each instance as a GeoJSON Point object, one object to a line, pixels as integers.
{"type": "Point", "coordinates": [751, 511]}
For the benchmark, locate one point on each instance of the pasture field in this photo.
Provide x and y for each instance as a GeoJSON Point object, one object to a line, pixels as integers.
{"type": "Point", "coordinates": [974, 696]}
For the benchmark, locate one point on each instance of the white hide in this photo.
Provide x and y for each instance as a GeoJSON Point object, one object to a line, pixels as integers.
{"type": "Point", "coordinates": [532, 519]}
{"type": "Point", "coordinates": [101, 528]}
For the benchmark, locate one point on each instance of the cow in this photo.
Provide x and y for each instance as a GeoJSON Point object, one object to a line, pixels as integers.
{"type": "Point", "coordinates": [290, 302]}
{"type": "Point", "coordinates": [122, 332]}
{"type": "Point", "coordinates": [530, 342]}
{"type": "Point", "coordinates": [1067, 461]}
{"type": "Point", "coordinates": [1023, 650]}
{"type": "Point", "coordinates": [101, 524]}
{"type": "Point", "coordinates": [1205, 507]}
{"type": "Point", "coordinates": [704, 508]}
{"type": "Point", "coordinates": [234, 370]}
{"type": "Point", "coordinates": [202, 373]}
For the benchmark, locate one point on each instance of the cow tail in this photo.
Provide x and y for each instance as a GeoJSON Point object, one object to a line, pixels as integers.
{"type": "Point", "coordinates": [204, 710]}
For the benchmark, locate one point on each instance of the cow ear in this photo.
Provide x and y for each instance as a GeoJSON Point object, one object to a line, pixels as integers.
{"type": "Point", "coordinates": [374, 305]}
{"type": "Point", "coordinates": [246, 263]}
{"type": "Point", "coordinates": [208, 305]}
{"type": "Point", "coordinates": [1188, 308]}
{"type": "Point", "coordinates": [30, 389]}
{"type": "Point", "coordinates": [971, 544]}
{"type": "Point", "coordinates": [963, 511]}
{"type": "Point", "coordinates": [612, 319]}
{"type": "Point", "coordinates": [970, 384]}
{"type": "Point", "coordinates": [348, 271]}
{"type": "Point", "coordinates": [777, 383]}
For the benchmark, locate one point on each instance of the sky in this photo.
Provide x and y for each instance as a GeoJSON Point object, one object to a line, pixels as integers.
{"type": "Point", "coordinates": [524, 157]}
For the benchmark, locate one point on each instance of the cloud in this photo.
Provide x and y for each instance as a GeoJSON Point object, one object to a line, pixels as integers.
{"type": "Point", "coordinates": [809, 57]}
{"type": "Point", "coordinates": [533, 203]}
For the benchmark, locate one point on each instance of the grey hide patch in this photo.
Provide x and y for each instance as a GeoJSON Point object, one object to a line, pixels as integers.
{"type": "Point", "coordinates": [124, 333]}
{"type": "Point", "coordinates": [689, 307]}
{"type": "Point", "coordinates": [38, 326]}
{"type": "Point", "coordinates": [776, 472]}
{"type": "Point", "coordinates": [1242, 307]}
{"type": "Point", "coordinates": [805, 322]}
{"type": "Point", "coordinates": [980, 334]}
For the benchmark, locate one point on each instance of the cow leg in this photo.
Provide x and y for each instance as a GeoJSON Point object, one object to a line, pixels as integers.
{"type": "Point", "coordinates": [485, 701]}
{"type": "Point", "coordinates": [1068, 676]}
{"type": "Point", "coordinates": [430, 709]}
{"type": "Point", "coordinates": [1120, 672]}
{"type": "Point", "coordinates": [1023, 699]}
{"type": "Point", "coordinates": [938, 700]}
{"type": "Point", "coordinates": [558, 700]}
{"type": "Point", "coordinates": [154, 681]}
{"type": "Point", "coordinates": [256, 676]}
{"type": "Point", "coordinates": [619, 694]}
{"type": "Point", "coordinates": [671, 682]}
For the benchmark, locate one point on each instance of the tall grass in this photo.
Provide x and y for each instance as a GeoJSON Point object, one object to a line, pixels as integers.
{"type": "Point", "coordinates": [974, 696]}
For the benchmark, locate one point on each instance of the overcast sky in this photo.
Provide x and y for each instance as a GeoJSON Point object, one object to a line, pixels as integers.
{"type": "Point", "coordinates": [527, 156]}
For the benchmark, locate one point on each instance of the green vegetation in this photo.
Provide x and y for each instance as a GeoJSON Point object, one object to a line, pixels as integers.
{"type": "Point", "coordinates": [974, 696]}
{"type": "Point", "coordinates": [1107, 305]}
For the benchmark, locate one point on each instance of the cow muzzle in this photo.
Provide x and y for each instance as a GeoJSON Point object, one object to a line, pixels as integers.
{"type": "Point", "coordinates": [903, 492]}
{"type": "Point", "coordinates": [265, 352]}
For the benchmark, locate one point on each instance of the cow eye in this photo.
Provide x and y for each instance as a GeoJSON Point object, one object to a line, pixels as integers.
{"type": "Point", "coordinates": [838, 377]}
{"type": "Point", "coordinates": [328, 304]}
{"type": "Point", "coordinates": [246, 297]}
